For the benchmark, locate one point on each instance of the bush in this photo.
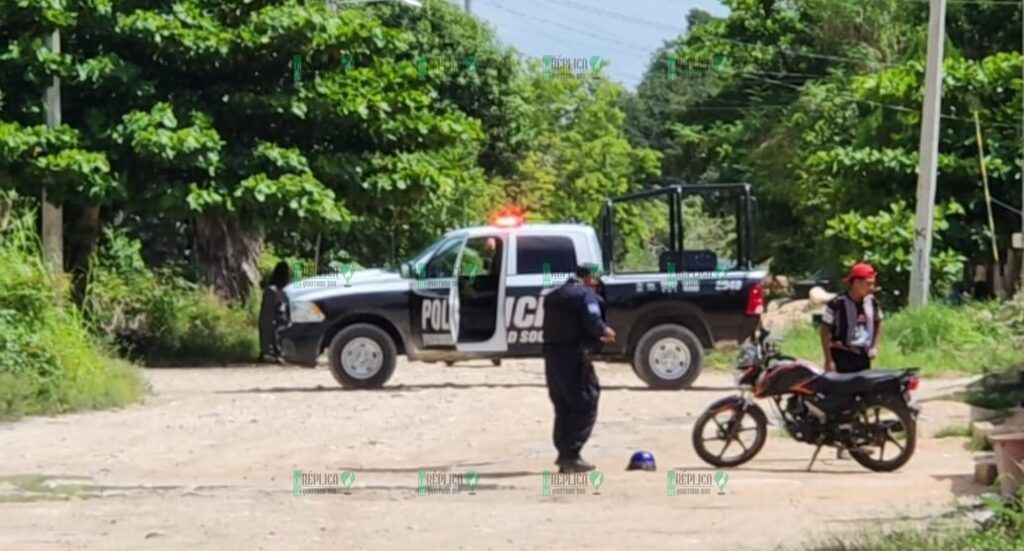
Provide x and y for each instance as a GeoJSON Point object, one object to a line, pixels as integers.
{"type": "Point", "coordinates": [159, 317]}
{"type": "Point", "coordinates": [938, 338]}
{"type": "Point", "coordinates": [49, 362]}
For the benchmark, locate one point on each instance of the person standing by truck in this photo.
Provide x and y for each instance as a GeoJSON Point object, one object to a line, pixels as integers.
{"type": "Point", "coordinates": [270, 311]}
{"type": "Point", "coordinates": [851, 326]}
{"type": "Point", "coordinates": [573, 328]}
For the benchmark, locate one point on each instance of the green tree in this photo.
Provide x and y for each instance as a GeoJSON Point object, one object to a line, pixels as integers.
{"type": "Point", "coordinates": [188, 118]}
{"type": "Point", "coordinates": [580, 154]}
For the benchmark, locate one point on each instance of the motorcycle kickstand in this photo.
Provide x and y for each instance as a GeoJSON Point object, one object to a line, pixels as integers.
{"type": "Point", "coordinates": [814, 457]}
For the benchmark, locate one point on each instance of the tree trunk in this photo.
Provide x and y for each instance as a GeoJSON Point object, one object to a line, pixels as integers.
{"type": "Point", "coordinates": [84, 235]}
{"type": "Point", "coordinates": [228, 255]}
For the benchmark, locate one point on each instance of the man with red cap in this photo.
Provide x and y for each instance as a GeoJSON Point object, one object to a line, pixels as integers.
{"type": "Point", "coordinates": [852, 323]}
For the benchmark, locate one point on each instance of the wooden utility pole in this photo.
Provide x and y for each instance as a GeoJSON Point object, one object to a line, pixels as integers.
{"type": "Point", "coordinates": [53, 214]}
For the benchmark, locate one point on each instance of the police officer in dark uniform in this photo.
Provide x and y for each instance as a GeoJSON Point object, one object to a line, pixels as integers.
{"type": "Point", "coordinates": [573, 327]}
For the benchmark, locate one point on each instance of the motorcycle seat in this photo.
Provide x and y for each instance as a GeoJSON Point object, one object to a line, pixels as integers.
{"type": "Point", "coordinates": [855, 383]}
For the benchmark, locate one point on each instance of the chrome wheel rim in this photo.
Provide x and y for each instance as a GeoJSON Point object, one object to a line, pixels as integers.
{"type": "Point", "coordinates": [669, 358]}
{"type": "Point", "coordinates": [362, 358]}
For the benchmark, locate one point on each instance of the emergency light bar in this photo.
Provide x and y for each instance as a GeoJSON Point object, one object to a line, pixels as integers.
{"type": "Point", "coordinates": [508, 217]}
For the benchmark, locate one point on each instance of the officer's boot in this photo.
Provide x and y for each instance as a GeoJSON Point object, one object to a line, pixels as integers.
{"type": "Point", "coordinates": [576, 465]}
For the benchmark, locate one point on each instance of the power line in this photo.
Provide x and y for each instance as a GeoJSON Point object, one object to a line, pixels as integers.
{"type": "Point", "coordinates": [985, 2]}
{"type": "Point", "coordinates": [540, 31]}
{"type": "Point", "coordinates": [878, 103]}
{"type": "Point", "coordinates": [567, 27]}
{"type": "Point", "coordinates": [646, 22]}
{"type": "Point", "coordinates": [618, 16]}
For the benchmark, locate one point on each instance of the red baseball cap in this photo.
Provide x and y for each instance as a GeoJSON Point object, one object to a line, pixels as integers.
{"type": "Point", "coordinates": [860, 270]}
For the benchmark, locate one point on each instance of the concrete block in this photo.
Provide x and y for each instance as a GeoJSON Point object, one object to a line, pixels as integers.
{"type": "Point", "coordinates": [981, 429]}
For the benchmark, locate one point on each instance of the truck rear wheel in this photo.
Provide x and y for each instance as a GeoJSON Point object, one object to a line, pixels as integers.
{"type": "Point", "coordinates": [362, 356]}
{"type": "Point", "coordinates": [668, 357]}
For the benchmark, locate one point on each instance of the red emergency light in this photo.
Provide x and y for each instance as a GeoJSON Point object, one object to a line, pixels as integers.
{"type": "Point", "coordinates": [508, 217]}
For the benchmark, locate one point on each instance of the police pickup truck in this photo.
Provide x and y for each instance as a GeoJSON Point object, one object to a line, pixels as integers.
{"type": "Point", "coordinates": [479, 293]}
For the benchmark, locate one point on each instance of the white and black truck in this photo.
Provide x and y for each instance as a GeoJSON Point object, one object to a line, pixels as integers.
{"type": "Point", "coordinates": [478, 292]}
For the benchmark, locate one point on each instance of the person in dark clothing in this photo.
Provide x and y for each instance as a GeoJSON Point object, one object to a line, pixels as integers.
{"type": "Point", "coordinates": [573, 328]}
{"type": "Point", "coordinates": [852, 324]}
{"type": "Point", "coordinates": [270, 309]}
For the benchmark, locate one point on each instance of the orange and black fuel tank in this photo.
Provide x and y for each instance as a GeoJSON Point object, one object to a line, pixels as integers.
{"type": "Point", "coordinates": [788, 377]}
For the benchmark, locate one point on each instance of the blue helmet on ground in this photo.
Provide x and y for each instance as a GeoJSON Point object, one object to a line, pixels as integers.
{"type": "Point", "coordinates": [642, 461]}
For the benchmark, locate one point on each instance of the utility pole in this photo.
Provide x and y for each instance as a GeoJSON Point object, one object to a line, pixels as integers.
{"type": "Point", "coordinates": [467, 4]}
{"type": "Point", "coordinates": [53, 215]}
{"type": "Point", "coordinates": [927, 171]}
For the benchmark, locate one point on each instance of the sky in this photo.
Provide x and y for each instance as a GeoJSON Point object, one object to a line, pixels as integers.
{"type": "Point", "coordinates": [625, 33]}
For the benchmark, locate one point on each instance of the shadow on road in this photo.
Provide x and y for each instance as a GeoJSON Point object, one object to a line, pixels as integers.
{"type": "Point", "coordinates": [460, 386]}
{"type": "Point", "coordinates": [962, 484]}
{"type": "Point", "coordinates": [820, 467]}
{"type": "Point", "coordinates": [454, 469]}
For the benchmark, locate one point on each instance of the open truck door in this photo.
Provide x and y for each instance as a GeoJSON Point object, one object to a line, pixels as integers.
{"type": "Point", "coordinates": [477, 299]}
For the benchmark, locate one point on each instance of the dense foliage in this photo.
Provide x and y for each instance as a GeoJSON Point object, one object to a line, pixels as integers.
{"type": "Point", "coordinates": [818, 106]}
{"type": "Point", "coordinates": [49, 361]}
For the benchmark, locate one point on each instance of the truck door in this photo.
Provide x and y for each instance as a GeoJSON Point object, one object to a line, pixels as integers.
{"type": "Point", "coordinates": [430, 314]}
{"type": "Point", "coordinates": [476, 302]}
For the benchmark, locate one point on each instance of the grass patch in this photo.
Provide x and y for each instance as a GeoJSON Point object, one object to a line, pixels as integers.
{"type": "Point", "coordinates": [953, 431]}
{"type": "Point", "coordinates": [1004, 531]}
{"type": "Point", "coordinates": [940, 339]}
{"type": "Point", "coordinates": [721, 359]}
{"type": "Point", "coordinates": [49, 361]}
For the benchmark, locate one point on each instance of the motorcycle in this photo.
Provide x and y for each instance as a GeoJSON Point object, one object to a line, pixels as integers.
{"type": "Point", "coordinates": [865, 413]}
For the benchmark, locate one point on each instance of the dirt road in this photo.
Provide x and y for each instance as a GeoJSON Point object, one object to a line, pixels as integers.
{"type": "Point", "coordinates": [207, 463]}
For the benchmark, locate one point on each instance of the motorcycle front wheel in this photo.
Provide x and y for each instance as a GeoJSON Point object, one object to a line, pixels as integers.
{"type": "Point", "coordinates": [728, 426]}
{"type": "Point", "coordinates": [883, 423]}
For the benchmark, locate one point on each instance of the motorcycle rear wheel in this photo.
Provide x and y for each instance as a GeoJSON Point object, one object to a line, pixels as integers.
{"type": "Point", "coordinates": [897, 428]}
{"type": "Point", "coordinates": [722, 433]}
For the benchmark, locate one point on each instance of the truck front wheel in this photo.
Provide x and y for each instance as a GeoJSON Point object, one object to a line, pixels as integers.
{"type": "Point", "coordinates": [362, 356]}
{"type": "Point", "coordinates": [668, 357]}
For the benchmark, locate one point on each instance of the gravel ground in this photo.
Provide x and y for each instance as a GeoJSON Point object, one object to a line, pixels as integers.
{"type": "Point", "coordinates": [207, 462]}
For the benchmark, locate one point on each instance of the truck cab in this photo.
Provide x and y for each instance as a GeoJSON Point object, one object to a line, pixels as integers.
{"type": "Point", "coordinates": [479, 292]}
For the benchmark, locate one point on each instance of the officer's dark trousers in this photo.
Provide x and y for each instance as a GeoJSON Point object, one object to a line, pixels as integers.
{"type": "Point", "coordinates": [850, 362]}
{"type": "Point", "coordinates": [574, 391]}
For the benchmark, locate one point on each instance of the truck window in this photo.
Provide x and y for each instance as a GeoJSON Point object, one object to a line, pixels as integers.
{"type": "Point", "coordinates": [534, 251]}
{"type": "Point", "coordinates": [709, 224]}
{"type": "Point", "coordinates": [442, 264]}
{"type": "Point", "coordinates": [481, 257]}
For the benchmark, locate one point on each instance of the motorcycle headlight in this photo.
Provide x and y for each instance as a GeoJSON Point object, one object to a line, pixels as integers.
{"type": "Point", "coordinates": [306, 312]}
{"type": "Point", "coordinates": [747, 356]}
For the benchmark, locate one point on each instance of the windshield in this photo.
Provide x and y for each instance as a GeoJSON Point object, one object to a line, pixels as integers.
{"type": "Point", "coordinates": [424, 254]}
